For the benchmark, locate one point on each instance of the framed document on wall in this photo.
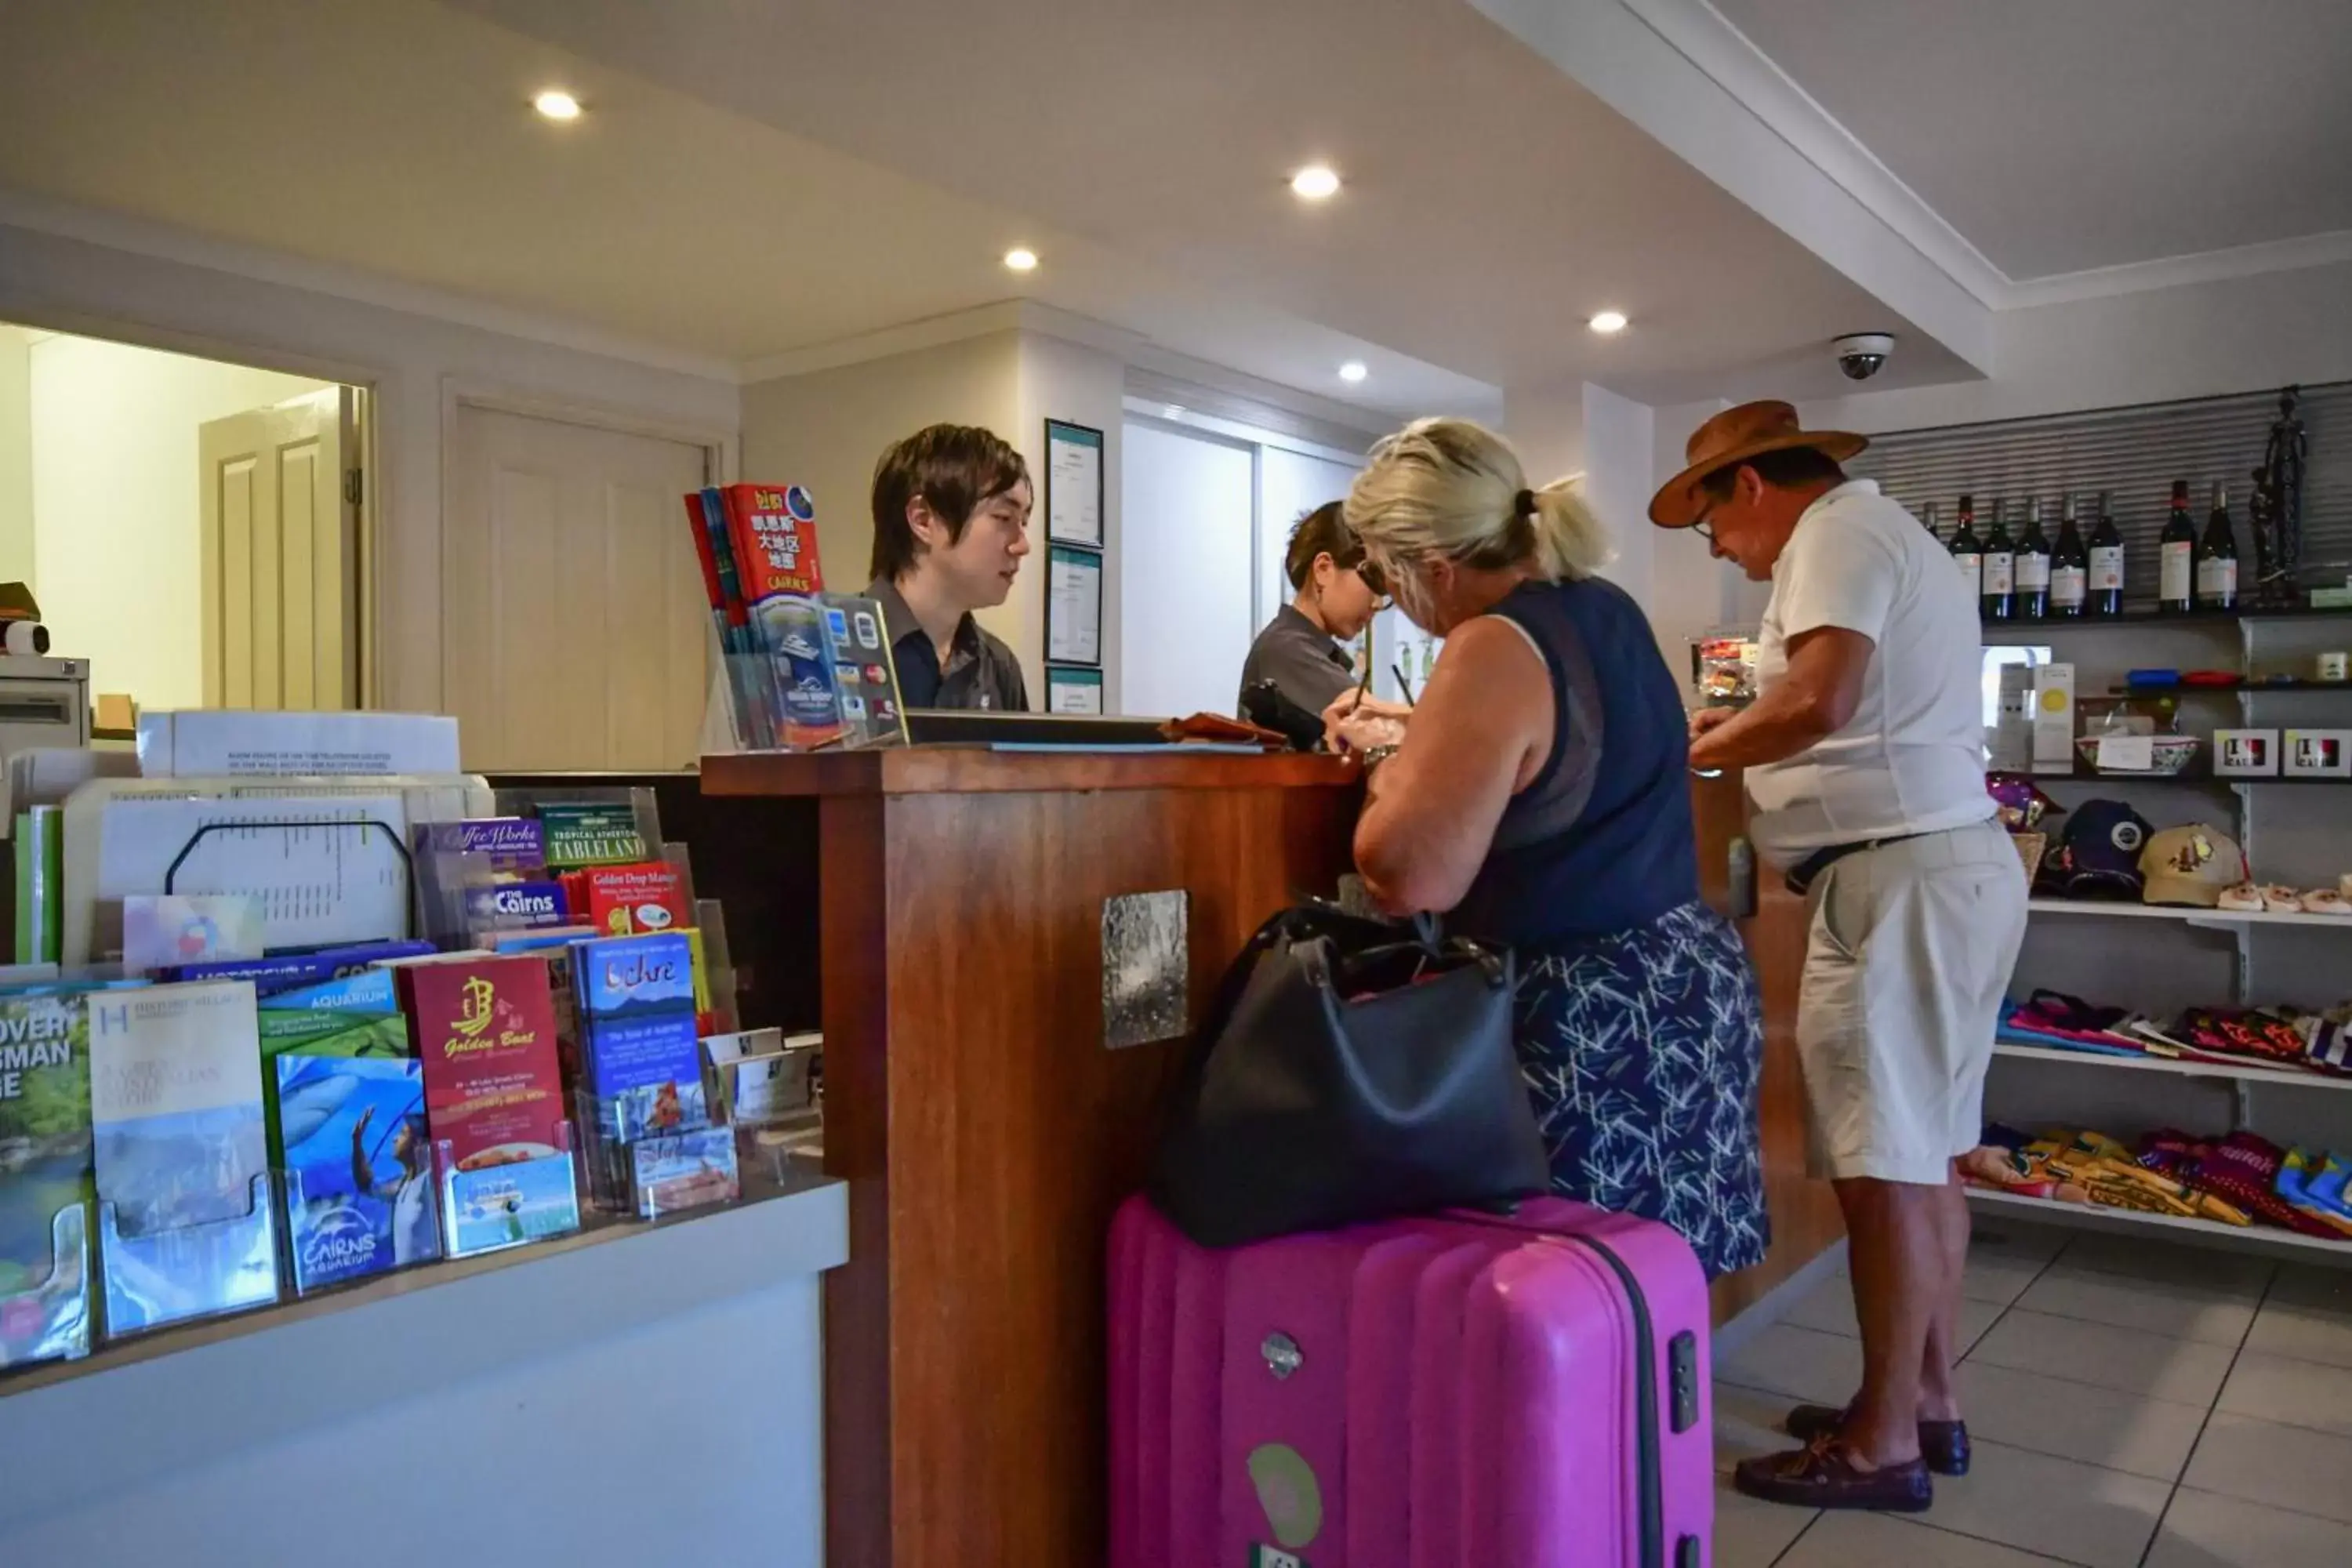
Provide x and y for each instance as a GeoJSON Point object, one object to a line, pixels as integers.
{"type": "Point", "coordinates": [1073, 605]}
{"type": "Point", "coordinates": [1074, 484]}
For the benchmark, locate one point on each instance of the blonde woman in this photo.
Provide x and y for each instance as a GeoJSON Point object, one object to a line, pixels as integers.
{"type": "Point", "coordinates": [1539, 797]}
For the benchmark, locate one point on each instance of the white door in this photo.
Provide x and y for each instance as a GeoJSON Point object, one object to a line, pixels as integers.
{"type": "Point", "coordinates": [279, 556]}
{"type": "Point", "coordinates": [1186, 530]}
{"type": "Point", "coordinates": [576, 627]}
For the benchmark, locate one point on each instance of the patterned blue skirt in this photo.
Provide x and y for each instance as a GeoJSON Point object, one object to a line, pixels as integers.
{"type": "Point", "coordinates": [1643, 1050]}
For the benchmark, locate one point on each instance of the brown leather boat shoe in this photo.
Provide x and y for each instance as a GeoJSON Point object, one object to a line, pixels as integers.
{"type": "Point", "coordinates": [1943, 1443]}
{"type": "Point", "coordinates": [1821, 1475]}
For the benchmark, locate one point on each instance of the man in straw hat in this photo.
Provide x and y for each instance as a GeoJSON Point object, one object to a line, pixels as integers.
{"type": "Point", "coordinates": [1863, 753]}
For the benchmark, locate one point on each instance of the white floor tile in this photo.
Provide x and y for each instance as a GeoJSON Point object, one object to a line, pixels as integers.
{"type": "Point", "coordinates": [1747, 1423]}
{"type": "Point", "coordinates": [2075, 1512]}
{"type": "Point", "coordinates": [2172, 1308]}
{"type": "Point", "coordinates": [2305, 1333]}
{"type": "Point", "coordinates": [2308, 1286]}
{"type": "Point", "coordinates": [2154, 1257]}
{"type": "Point", "coordinates": [1913, 1541]}
{"type": "Point", "coordinates": [2150, 1366]}
{"type": "Point", "coordinates": [1829, 1310]}
{"type": "Point", "coordinates": [2286, 1467]}
{"type": "Point", "coordinates": [1752, 1534]}
{"type": "Point", "coordinates": [2291, 1392]}
{"type": "Point", "coordinates": [1824, 1369]}
{"type": "Point", "coordinates": [2001, 1236]}
{"type": "Point", "coordinates": [2202, 1530]}
{"type": "Point", "coordinates": [2075, 1420]}
{"type": "Point", "coordinates": [1999, 1279]}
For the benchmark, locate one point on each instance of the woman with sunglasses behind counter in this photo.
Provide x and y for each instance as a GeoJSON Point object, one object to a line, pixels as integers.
{"type": "Point", "coordinates": [1336, 596]}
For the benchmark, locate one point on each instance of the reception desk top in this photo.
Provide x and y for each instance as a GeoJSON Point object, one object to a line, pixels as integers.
{"type": "Point", "coordinates": [979, 770]}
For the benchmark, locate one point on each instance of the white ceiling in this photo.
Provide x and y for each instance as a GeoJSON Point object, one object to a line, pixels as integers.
{"type": "Point", "coordinates": [2061, 136]}
{"type": "Point", "coordinates": [753, 179]}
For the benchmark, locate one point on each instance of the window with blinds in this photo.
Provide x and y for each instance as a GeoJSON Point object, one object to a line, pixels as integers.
{"type": "Point", "coordinates": [2133, 454]}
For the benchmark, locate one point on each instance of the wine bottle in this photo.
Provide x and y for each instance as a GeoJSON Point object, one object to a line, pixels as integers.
{"type": "Point", "coordinates": [1928, 522]}
{"type": "Point", "coordinates": [2217, 557]}
{"type": "Point", "coordinates": [2070, 564]}
{"type": "Point", "coordinates": [1999, 595]}
{"type": "Point", "coordinates": [2033, 565]}
{"type": "Point", "coordinates": [2106, 562]}
{"type": "Point", "coordinates": [2176, 571]}
{"type": "Point", "coordinates": [1966, 552]}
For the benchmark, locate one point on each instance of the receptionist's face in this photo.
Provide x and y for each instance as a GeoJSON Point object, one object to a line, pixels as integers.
{"type": "Point", "coordinates": [983, 562]}
{"type": "Point", "coordinates": [1347, 601]}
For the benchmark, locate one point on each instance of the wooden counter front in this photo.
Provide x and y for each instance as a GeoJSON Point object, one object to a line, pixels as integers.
{"type": "Point", "coordinates": [985, 1131]}
{"type": "Point", "coordinates": [1803, 1212]}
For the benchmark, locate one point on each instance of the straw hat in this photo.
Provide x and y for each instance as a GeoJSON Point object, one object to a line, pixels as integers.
{"type": "Point", "coordinates": [1735, 435]}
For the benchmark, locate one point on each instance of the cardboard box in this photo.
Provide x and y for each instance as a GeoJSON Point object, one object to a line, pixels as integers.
{"type": "Point", "coordinates": [2245, 753]}
{"type": "Point", "coordinates": [2054, 719]}
{"type": "Point", "coordinates": [2317, 754]}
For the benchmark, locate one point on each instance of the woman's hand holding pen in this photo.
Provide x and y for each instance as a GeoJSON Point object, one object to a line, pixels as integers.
{"type": "Point", "coordinates": [1358, 720]}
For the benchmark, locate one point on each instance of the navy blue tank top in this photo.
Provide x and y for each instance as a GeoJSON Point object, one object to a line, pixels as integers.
{"type": "Point", "coordinates": [1601, 840]}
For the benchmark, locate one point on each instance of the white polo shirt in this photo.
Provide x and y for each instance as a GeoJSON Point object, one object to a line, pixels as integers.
{"type": "Point", "coordinates": [1911, 760]}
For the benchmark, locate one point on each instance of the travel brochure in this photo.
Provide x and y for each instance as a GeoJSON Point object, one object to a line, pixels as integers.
{"type": "Point", "coordinates": [198, 1129]}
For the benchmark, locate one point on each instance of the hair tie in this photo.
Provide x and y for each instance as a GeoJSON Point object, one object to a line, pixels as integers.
{"type": "Point", "coordinates": [1523, 504]}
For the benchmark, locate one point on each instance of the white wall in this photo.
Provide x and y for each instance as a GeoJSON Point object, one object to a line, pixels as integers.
{"type": "Point", "coordinates": [117, 511]}
{"type": "Point", "coordinates": [826, 430]}
{"type": "Point", "coordinates": [2197, 340]}
{"type": "Point", "coordinates": [1186, 573]}
{"type": "Point", "coordinates": [15, 455]}
{"type": "Point", "coordinates": [171, 289]}
{"type": "Point", "coordinates": [1290, 485]}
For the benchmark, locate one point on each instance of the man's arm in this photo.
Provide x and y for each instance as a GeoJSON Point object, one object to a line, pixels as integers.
{"type": "Point", "coordinates": [1813, 700]}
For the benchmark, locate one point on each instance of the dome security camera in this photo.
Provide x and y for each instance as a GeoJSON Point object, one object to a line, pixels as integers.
{"type": "Point", "coordinates": [1861, 356]}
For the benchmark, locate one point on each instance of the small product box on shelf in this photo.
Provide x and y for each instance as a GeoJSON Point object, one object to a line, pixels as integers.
{"type": "Point", "coordinates": [2318, 753]}
{"type": "Point", "coordinates": [2054, 719]}
{"type": "Point", "coordinates": [2245, 753]}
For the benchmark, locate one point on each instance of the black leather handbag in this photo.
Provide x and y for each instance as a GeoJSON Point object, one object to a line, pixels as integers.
{"type": "Point", "coordinates": [1349, 1071]}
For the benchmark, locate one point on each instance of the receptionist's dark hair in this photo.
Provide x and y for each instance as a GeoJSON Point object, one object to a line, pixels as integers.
{"type": "Point", "coordinates": [955, 468]}
{"type": "Point", "coordinates": [1324, 530]}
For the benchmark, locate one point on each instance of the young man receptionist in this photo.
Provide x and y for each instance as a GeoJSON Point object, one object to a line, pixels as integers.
{"type": "Point", "coordinates": [951, 525]}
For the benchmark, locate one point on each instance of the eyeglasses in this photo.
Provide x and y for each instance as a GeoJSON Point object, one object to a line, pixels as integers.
{"type": "Point", "coordinates": [1703, 526]}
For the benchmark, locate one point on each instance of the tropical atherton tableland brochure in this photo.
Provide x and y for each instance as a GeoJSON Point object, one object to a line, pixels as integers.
{"type": "Point", "coordinates": [180, 1140]}
{"type": "Point", "coordinates": [591, 835]}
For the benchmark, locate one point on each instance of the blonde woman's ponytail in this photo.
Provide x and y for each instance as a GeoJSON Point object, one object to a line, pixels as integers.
{"type": "Point", "coordinates": [1570, 540]}
{"type": "Point", "coordinates": [1450, 488]}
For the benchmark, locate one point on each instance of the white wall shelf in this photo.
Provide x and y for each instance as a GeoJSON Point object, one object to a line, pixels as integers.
{"type": "Point", "coordinates": [2164, 1064]}
{"type": "Point", "coordinates": [2258, 1238]}
{"type": "Point", "coordinates": [2224, 919]}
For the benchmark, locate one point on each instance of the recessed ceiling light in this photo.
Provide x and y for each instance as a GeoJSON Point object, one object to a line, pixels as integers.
{"type": "Point", "coordinates": [1353, 371]}
{"type": "Point", "coordinates": [557, 105]}
{"type": "Point", "coordinates": [1021, 260]}
{"type": "Point", "coordinates": [1608, 322]}
{"type": "Point", "coordinates": [1314, 183]}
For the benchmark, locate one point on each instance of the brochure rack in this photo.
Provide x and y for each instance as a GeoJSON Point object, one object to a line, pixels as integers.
{"type": "Point", "coordinates": [179, 1273]}
{"type": "Point", "coordinates": [490, 1208]}
{"type": "Point", "coordinates": [328, 1242]}
{"type": "Point", "coordinates": [50, 1320]}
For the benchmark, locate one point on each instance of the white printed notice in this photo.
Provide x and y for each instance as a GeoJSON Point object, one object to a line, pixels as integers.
{"type": "Point", "coordinates": [1074, 484]}
{"type": "Point", "coordinates": [1073, 691]}
{"type": "Point", "coordinates": [2126, 753]}
{"type": "Point", "coordinates": [1074, 611]}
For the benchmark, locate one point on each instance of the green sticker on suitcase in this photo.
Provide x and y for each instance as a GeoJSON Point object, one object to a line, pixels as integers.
{"type": "Point", "coordinates": [1293, 1501]}
{"type": "Point", "coordinates": [1268, 1557]}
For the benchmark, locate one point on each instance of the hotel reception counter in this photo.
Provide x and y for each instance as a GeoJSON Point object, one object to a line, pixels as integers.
{"type": "Point", "coordinates": [985, 1125]}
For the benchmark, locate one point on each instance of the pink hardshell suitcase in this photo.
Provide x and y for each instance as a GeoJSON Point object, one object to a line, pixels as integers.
{"type": "Point", "coordinates": [1444, 1393]}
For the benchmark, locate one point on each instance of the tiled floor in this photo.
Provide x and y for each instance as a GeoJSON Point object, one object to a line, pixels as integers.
{"type": "Point", "coordinates": [2133, 1403]}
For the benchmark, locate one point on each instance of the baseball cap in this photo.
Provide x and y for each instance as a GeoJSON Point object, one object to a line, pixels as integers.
{"type": "Point", "coordinates": [2099, 854]}
{"type": "Point", "coordinates": [2193, 866]}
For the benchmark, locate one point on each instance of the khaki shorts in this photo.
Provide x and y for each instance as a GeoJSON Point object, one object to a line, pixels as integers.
{"type": "Point", "coordinates": [1906, 967]}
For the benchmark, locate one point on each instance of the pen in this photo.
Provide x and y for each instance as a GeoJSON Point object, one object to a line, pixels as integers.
{"type": "Point", "coordinates": [1403, 684]}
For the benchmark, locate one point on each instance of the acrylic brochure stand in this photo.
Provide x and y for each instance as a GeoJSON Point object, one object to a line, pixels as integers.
{"type": "Point", "coordinates": [330, 1240]}
{"type": "Point", "coordinates": [50, 1320]}
{"type": "Point", "coordinates": [174, 1274]}
{"type": "Point", "coordinates": [489, 1207]}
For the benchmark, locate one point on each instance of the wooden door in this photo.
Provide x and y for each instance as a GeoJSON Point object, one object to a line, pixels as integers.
{"type": "Point", "coordinates": [279, 555]}
{"type": "Point", "coordinates": [575, 630]}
